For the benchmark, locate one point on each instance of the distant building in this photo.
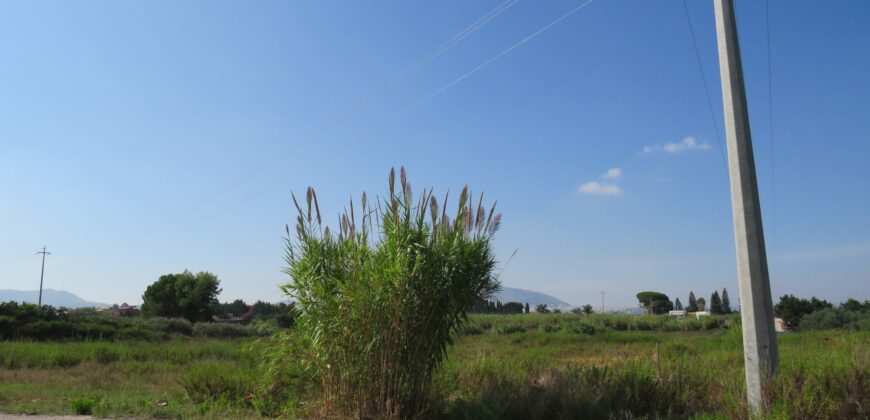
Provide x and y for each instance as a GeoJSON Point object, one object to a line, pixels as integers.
{"type": "Point", "coordinates": [780, 325]}
{"type": "Point", "coordinates": [126, 311]}
{"type": "Point", "coordinates": [699, 314]}
{"type": "Point", "coordinates": [679, 314]}
{"type": "Point", "coordinates": [243, 318]}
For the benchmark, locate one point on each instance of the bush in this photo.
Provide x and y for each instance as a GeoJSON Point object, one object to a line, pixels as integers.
{"type": "Point", "coordinates": [214, 330]}
{"type": "Point", "coordinates": [170, 325]}
{"type": "Point", "coordinates": [379, 302]}
{"type": "Point", "coordinates": [509, 329]}
{"type": "Point", "coordinates": [835, 318]}
{"type": "Point", "coordinates": [212, 382]}
{"type": "Point", "coordinates": [83, 405]}
{"type": "Point", "coordinates": [470, 330]}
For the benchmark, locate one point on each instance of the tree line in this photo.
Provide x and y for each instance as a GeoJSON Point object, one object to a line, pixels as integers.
{"type": "Point", "coordinates": [194, 298]}
{"type": "Point", "coordinates": [660, 303]}
{"type": "Point", "coordinates": [819, 314]}
{"type": "Point", "coordinates": [484, 306]}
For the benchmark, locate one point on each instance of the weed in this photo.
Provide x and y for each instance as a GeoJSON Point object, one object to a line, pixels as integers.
{"type": "Point", "coordinates": [83, 405]}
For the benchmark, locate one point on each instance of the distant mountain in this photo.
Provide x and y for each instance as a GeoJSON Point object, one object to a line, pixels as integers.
{"type": "Point", "coordinates": [56, 298]}
{"type": "Point", "coordinates": [510, 294]}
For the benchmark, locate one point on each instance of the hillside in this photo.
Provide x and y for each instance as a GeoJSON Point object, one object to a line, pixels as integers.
{"type": "Point", "coordinates": [56, 298]}
{"type": "Point", "coordinates": [510, 294]}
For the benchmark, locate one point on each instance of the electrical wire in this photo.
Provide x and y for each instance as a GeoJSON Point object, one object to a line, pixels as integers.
{"type": "Point", "coordinates": [770, 122]}
{"type": "Point", "coordinates": [706, 89]}
{"type": "Point", "coordinates": [491, 60]}
{"type": "Point", "coordinates": [361, 103]}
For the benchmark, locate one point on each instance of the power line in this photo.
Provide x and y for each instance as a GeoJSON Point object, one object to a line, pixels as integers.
{"type": "Point", "coordinates": [706, 88]}
{"type": "Point", "coordinates": [421, 63]}
{"type": "Point", "coordinates": [491, 60]}
{"type": "Point", "coordinates": [770, 122]}
{"type": "Point", "coordinates": [367, 99]}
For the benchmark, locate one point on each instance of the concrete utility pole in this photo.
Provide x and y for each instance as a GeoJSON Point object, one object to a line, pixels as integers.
{"type": "Point", "coordinates": [42, 273]}
{"type": "Point", "coordinates": [759, 336]}
{"type": "Point", "coordinates": [602, 301]}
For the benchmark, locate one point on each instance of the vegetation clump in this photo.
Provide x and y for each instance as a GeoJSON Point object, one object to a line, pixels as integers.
{"type": "Point", "coordinates": [184, 295]}
{"type": "Point", "coordinates": [83, 405]}
{"type": "Point", "coordinates": [381, 300]}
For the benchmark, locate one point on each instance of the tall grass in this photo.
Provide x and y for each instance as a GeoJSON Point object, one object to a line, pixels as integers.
{"type": "Point", "coordinates": [380, 301]}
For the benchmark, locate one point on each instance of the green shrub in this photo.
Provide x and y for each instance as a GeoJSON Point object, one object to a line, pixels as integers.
{"type": "Point", "coordinates": [209, 381]}
{"type": "Point", "coordinates": [834, 318]}
{"type": "Point", "coordinates": [470, 330]}
{"type": "Point", "coordinates": [584, 328]}
{"type": "Point", "coordinates": [170, 325]}
{"type": "Point", "coordinates": [83, 405]}
{"type": "Point", "coordinates": [551, 328]}
{"type": "Point", "coordinates": [509, 329]}
{"type": "Point", "coordinates": [215, 330]}
{"type": "Point", "coordinates": [380, 301]}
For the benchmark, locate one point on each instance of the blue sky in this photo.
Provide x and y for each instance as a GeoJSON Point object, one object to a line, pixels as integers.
{"type": "Point", "coordinates": [143, 138]}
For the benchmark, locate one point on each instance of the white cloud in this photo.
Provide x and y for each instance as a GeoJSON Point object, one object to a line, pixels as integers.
{"type": "Point", "coordinates": [612, 173]}
{"type": "Point", "coordinates": [688, 144]}
{"type": "Point", "coordinates": [597, 188]}
{"type": "Point", "coordinates": [606, 187]}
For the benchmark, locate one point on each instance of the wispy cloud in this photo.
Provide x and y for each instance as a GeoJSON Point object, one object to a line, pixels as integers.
{"type": "Point", "coordinates": [688, 144]}
{"type": "Point", "coordinates": [607, 186]}
{"type": "Point", "coordinates": [612, 173]}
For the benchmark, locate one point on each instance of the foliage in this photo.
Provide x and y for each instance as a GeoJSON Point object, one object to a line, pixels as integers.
{"type": "Point", "coordinates": [206, 381]}
{"type": "Point", "coordinates": [649, 375]}
{"type": "Point", "coordinates": [693, 303]}
{"type": "Point", "coordinates": [558, 368]}
{"type": "Point", "coordinates": [170, 325]}
{"type": "Point", "coordinates": [215, 330]}
{"type": "Point", "coordinates": [282, 313]}
{"type": "Point", "coordinates": [229, 310]}
{"type": "Point", "coordinates": [835, 318]}
{"type": "Point", "coordinates": [726, 302]}
{"type": "Point", "coordinates": [655, 302]}
{"type": "Point", "coordinates": [715, 303]}
{"type": "Point", "coordinates": [792, 309]}
{"type": "Point", "coordinates": [379, 302]}
{"type": "Point", "coordinates": [127, 379]}
{"type": "Point", "coordinates": [541, 308]}
{"type": "Point", "coordinates": [29, 322]}
{"type": "Point", "coordinates": [853, 305]}
{"type": "Point", "coordinates": [83, 405]}
{"type": "Point", "coordinates": [678, 306]}
{"type": "Point", "coordinates": [484, 306]}
{"type": "Point", "coordinates": [184, 295]}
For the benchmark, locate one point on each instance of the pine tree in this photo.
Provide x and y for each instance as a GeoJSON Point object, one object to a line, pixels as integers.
{"type": "Point", "coordinates": [677, 305]}
{"type": "Point", "coordinates": [726, 303]}
{"type": "Point", "coordinates": [715, 303]}
{"type": "Point", "coordinates": [693, 303]}
{"type": "Point", "coordinates": [527, 307]}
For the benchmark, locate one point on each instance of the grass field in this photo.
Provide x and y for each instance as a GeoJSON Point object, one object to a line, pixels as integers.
{"type": "Point", "coordinates": [523, 366]}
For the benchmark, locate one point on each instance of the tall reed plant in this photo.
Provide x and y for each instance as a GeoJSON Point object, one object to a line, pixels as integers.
{"type": "Point", "coordinates": [381, 299]}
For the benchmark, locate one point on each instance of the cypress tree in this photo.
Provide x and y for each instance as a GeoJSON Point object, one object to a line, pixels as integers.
{"type": "Point", "coordinates": [677, 305]}
{"type": "Point", "coordinates": [726, 303]}
{"type": "Point", "coordinates": [693, 303]}
{"type": "Point", "coordinates": [715, 303]}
